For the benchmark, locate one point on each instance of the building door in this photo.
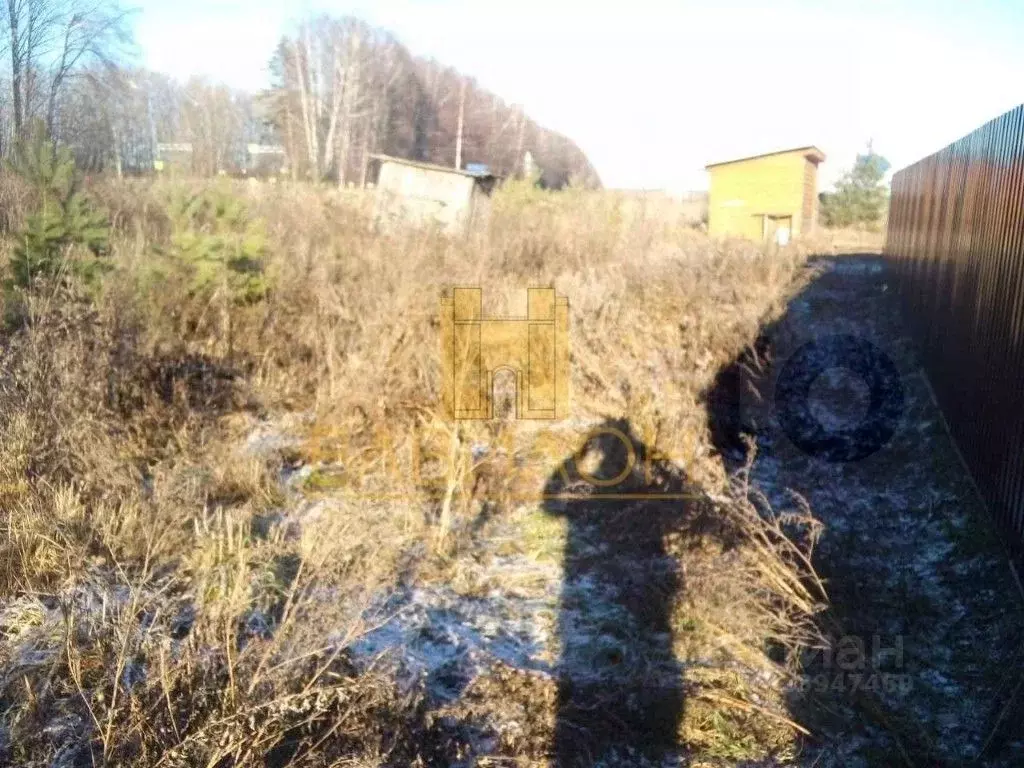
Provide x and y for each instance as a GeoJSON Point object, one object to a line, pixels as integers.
{"type": "Point", "coordinates": [778, 229]}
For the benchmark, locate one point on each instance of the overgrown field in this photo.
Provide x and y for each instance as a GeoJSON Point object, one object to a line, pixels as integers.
{"type": "Point", "coordinates": [237, 528]}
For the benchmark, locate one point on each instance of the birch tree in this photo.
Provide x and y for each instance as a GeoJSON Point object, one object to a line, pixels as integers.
{"type": "Point", "coordinates": [333, 79]}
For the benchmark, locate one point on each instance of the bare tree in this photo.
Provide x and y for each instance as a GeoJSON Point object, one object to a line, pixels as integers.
{"type": "Point", "coordinates": [29, 26]}
{"type": "Point", "coordinates": [48, 42]}
{"type": "Point", "coordinates": [334, 81]}
{"type": "Point", "coordinates": [90, 33]}
{"type": "Point", "coordinates": [388, 67]}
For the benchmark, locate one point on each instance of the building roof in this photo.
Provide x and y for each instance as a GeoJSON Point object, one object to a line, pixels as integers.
{"type": "Point", "coordinates": [811, 152]}
{"type": "Point", "coordinates": [433, 167]}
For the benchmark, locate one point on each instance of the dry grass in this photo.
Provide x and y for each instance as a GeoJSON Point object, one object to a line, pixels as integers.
{"type": "Point", "coordinates": [165, 601]}
{"type": "Point", "coordinates": [848, 240]}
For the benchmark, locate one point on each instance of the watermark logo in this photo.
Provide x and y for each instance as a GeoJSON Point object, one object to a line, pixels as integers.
{"type": "Point", "coordinates": [819, 437]}
{"type": "Point", "coordinates": [535, 349]}
{"type": "Point", "coordinates": [848, 666]}
{"type": "Point", "coordinates": [837, 398]}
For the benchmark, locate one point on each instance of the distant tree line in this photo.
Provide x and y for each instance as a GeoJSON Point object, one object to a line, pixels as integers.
{"type": "Point", "coordinates": [344, 90]}
{"type": "Point", "coordinates": [341, 91]}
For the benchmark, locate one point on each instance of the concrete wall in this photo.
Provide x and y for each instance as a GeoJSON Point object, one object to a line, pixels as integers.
{"type": "Point", "coordinates": [423, 195]}
{"type": "Point", "coordinates": [742, 193]}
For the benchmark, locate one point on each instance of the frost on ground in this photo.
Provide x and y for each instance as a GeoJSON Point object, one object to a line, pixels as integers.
{"type": "Point", "coordinates": [929, 611]}
{"type": "Point", "coordinates": [445, 637]}
{"type": "Point", "coordinates": [576, 627]}
{"type": "Point", "coordinates": [925, 621]}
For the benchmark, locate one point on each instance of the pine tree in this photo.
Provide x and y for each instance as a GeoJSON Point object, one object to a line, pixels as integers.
{"type": "Point", "coordinates": [219, 247]}
{"type": "Point", "coordinates": [64, 236]}
{"type": "Point", "coordinates": [216, 259]}
{"type": "Point", "coordinates": [860, 195]}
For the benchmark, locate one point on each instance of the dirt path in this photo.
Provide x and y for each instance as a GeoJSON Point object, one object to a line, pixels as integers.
{"type": "Point", "coordinates": [931, 615]}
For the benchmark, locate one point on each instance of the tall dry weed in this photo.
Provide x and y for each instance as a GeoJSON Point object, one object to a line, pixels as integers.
{"type": "Point", "coordinates": [164, 602]}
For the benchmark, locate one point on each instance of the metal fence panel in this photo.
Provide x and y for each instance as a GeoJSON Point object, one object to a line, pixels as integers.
{"type": "Point", "coordinates": [955, 244]}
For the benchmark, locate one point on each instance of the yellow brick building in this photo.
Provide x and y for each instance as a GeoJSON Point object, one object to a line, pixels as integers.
{"type": "Point", "coordinates": [771, 197]}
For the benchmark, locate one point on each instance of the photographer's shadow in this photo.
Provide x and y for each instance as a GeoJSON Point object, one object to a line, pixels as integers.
{"type": "Point", "coordinates": [620, 693]}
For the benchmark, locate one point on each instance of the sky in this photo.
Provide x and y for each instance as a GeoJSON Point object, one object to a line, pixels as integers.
{"type": "Point", "coordinates": [652, 92]}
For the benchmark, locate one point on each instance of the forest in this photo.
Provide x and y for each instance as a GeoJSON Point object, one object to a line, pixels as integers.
{"type": "Point", "coordinates": [341, 90]}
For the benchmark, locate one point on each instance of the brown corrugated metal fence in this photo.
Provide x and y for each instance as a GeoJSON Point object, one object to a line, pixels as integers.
{"type": "Point", "coordinates": [956, 247]}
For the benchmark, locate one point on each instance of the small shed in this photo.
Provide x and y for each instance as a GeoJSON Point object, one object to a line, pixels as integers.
{"type": "Point", "coordinates": [420, 193]}
{"type": "Point", "coordinates": [770, 197]}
